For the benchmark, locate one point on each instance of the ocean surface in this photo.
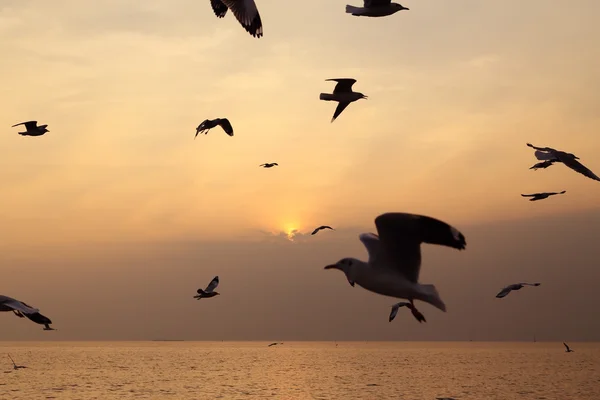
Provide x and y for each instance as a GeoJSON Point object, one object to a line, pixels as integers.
{"type": "Point", "coordinates": [299, 370]}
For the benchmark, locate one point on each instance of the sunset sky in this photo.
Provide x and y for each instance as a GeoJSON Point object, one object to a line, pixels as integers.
{"type": "Point", "coordinates": [112, 220]}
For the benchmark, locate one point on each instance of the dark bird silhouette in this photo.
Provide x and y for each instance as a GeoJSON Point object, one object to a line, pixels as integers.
{"type": "Point", "coordinates": [543, 164]}
{"type": "Point", "coordinates": [15, 366]}
{"type": "Point", "coordinates": [343, 94]}
{"type": "Point", "coordinates": [23, 310]}
{"type": "Point", "coordinates": [32, 129]}
{"type": "Point", "coordinates": [568, 159]}
{"type": "Point", "coordinates": [419, 317]}
{"type": "Point", "coordinates": [568, 349]}
{"type": "Point", "coordinates": [274, 344]}
{"type": "Point", "coordinates": [375, 8]}
{"type": "Point", "coordinates": [208, 124]}
{"type": "Point", "coordinates": [516, 286]}
{"type": "Point", "coordinates": [244, 10]}
{"type": "Point", "coordinates": [321, 228]}
{"type": "Point", "coordinates": [542, 196]}
{"type": "Point", "coordinates": [268, 165]}
{"type": "Point", "coordinates": [209, 291]}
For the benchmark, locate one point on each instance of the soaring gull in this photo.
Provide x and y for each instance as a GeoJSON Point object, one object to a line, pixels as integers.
{"type": "Point", "coordinates": [420, 317]}
{"type": "Point", "coordinates": [321, 228]}
{"type": "Point", "coordinates": [375, 8]}
{"type": "Point", "coordinates": [244, 10]}
{"type": "Point", "coordinates": [274, 344]}
{"type": "Point", "coordinates": [568, 349]}
{"type": "Point", "coordinates": [22, 310]}
{"type": "Point", "coordinates": [343, 94]}
{"type": "Point", "coordinates": [15, 366]}
{"type": "Point", "coordinates": [208, 124]}
{"type": "Point", "coordinates": [209, 291]}
{"type": "Point", "coordinates": [516, 286]}
{"type": "Point", "coordinates": [568, 159]}
{"type": "Point", "coordinates": [32, 129]}
{"type": "Point", "coordinates": [395, 256]}
{"type": "Point", "coordinates": [542, 196]}
{"type": "Point", "coordinates": [269, 165]}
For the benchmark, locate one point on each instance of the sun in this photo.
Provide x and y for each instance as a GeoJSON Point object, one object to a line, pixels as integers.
{"type": "Point", "coordinates": [290, 230]}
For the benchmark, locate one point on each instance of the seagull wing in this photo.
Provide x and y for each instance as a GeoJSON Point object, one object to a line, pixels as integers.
{"type": "Point", "coordinates": [17, 305]}
{"type": "Point", "coordinates": [530, 284]}
{"type": "Point", "coordinates": [343, 84]}
{"type": "Point", "coordinates": [504, 292]}
{"type": "Point", "coordinates": [401, 235]}
{"type": "Point", "coordinates": [28, 124]}
{"type": "Point", "coordinates": [566, 346]}
{"type": "Point", "coordinates": [395, 309]}
{"type": "Point", "coordinates": [212, 285]}
{"type": "Point", "coordinates": [219, 8]}
{"type": "Point", "coordinates": [541, 148]}
{"type": "Point", "coordinates": [341, 107]}
{"type": "Point", "coordinates": [544, 155]}
{"type": "Point", "coordinates": [373, 244]}
{"type": "Point", "coordinates": [315, 231]}
{"type": "Point", "coordinates": [377, 3]}
{"type": "Point", "coordinates": [571, 162]}
{"type": "Point", "coordinates": [247, 14]}
{"type": "Point", "coordinates": [530, 195]}
{"type": "Point", "coordinates": [226, 125]}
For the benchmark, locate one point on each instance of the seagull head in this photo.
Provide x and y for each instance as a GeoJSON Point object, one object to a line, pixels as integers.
{"type": "Point", "coordinates": [43, 128]}
{"type": "Point", "coordinates": [216, 293]}
{"type": "Point", "coordinates": [344, 265]}
{"type": "Point", "coordinates": [399, 7]}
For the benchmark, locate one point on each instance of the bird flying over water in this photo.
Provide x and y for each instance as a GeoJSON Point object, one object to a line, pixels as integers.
{"type": "Point", "coordinates": [268, 165]}
{"type": "Point", "coordinates": [32, 129]}
{"type": "Point", "coordinates": [516, 286]}
{"type": "Point", "coordinates": [209, 291]}
{"type": "Point", "coordinates": [15, 366]}
{"type": "Point", "coordinates": [375, 8]}
{"type": "Point", "coordinates": [343, 94]}
{"type": "Point", "coordinates": [543, 164]}
{"type": "Point", "coordinates": [244, 10]}
{"type": "Point", "coordinates": [23, 310]}
{"type": "Point", "coordinates": [568, 349]}
{"type": "Point", "coordinates": [274, 344]}
{"type": "Point", "coordinates": [542, 196]}
{"type": "Point", "coordinates": [208, 124]}
{"type": "Point", "coordinates": [320, 228]}
{"type": "Point", "coordinates": [568, 159]}
{"type": "Point", "coordinates": [420, 317]}
{"type": "Point", "coordinates": [395, 256]}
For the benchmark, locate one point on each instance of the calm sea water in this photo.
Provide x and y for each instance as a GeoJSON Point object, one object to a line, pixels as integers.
{"type": "Point", "coordinates": [299, 370]}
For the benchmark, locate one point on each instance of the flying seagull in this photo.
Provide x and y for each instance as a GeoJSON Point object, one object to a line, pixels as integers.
{"type": "Point", "coordinates": [375, 8]}
{"type": "Point", "coordinates": [32, 129]}
{"type": "Point", "coordinates": [420, 317]}
{"type": "Point", "coordinates": [209, 291]}
{"type": "Point", "coordinates": [15, 366]}
{"type": "Point", "coordinates": [542, 196]}
{"type": "Point", "coordinates": [568, 349]}
{"type": "Point", "coordinates": [568, 159]}
{"type": "Point", "coordinates": [395, 256]}
{"type": "Point", "coordinates": [516, 286]}
{"type": "Point", "coordinates": [543, 164]}
{"type": "Point", "coordinates": [343, 94]}
{"type": "Point", "coordinates": [23, 310]}
{"type": "Point", "coordinates": [274, 344]}
{"type": "Point", "coordinates": [208, 124]}
{"type": "Point", "coordinates": [268, 165]}
{"type": "Point", "coordinates": [244, 10]}
{"type": "Point", "coordinates": [320, 228]}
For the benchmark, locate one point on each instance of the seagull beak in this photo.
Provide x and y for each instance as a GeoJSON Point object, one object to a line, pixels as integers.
{"type": "Point", "coordinates": [332, 266]}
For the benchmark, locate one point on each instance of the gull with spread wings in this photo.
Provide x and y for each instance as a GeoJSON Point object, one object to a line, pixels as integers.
{"type": "Point", "coordinates": [515, 286]}
{"type": "Point", "coordinates": [269, 165]}
{"type": "Point", "coordinates": [32, 128]}
{"type": "Point", "coordinates": [542, 196]}
{"type": "Point", "coordinates": [395, 256]}
{"type": "Point", "coordinates": [208, 124]}
{"type": "Point", "coordinates": [375, 8]}
{"type": "Point", "coordinates": [568, 159]}
{"type": "Point", "coordinates": [343, 94]}
{"type": "Point", "coordinates": [209, 291]}
{"type": "Point", "coordinates": [244, 10]}
{"type": "Point", "coordinates": [23, 310]}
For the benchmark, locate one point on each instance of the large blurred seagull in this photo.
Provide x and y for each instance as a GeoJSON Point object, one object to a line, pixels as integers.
{"type": "Point", "coordinates": [23, 310]}
{"type": "Point", "coordinates": [570, 160]}
{"type": "Point", "coordinates": [395, 256]}
{"type": "Point", "coordinates": [343, 94]}
{"type": "Point", "coordinates": [375, 8]}
{"type": "Point", "coordinates": [244, 10]}
{"type": "Point", "coordinates": [209, 291]}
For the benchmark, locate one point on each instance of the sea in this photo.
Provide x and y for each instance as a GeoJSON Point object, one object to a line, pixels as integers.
{"type": "Point", "coordinates": [299, 370]}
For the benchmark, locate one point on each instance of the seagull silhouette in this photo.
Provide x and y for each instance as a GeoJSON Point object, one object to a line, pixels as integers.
{"type": "Point", "coordinates": [343, 94]}
{"type": "Point", "coordinates": [542, 196]}
{"type": "Point", "coordinates": [208, 124]}
{"type": "Point", "coordinates": [32, 129]}
{"type": "Point", "coordinates": [244, 10]}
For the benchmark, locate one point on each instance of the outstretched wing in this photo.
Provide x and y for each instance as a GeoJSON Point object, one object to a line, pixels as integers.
{"type": "Point", "coordinates": [343, 84]}
{"type": "Point", "coordinates": [377, 3]}
{"type": "Point", "coordinates": [504, 292]}
{"type": "Point", "coordinates": [226, 125]}
{"type": "Point", "coordinates": [247, 14]}
{"type": "Point", "coordinates": [19, 306]}
{"type": "Point", "coordinates": [575, 165]}
{"type": "Point", "coordinates": [212, 285]}
{"type": "Point", "coordinates": [28, 124]}
{"type": "Point", "coordinates": [219, 8]}
{"type": "Point", "coordinates": [530, 195]}
{"type": "Point", "coordinates": [341, 107]}
{"type": "Point", "coordinates": [566, 345]}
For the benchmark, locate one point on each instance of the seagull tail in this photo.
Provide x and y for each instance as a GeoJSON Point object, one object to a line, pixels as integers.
{"type": "Point", "coordinates": [327, 97]}
{"type": "Point", "coordinates": [353, 10]}
{"type": "Point", "coordinates": [429, 294]}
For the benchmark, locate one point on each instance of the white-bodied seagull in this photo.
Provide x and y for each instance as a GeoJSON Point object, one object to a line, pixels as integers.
{"type": "Point", "coordinates": [244, 10]}
{"type": "Point", "coordinates": [375, 8]}
{"type": "Point", "coordinates": [515, 286]}
{"type": "Point", "coordinates": [343, 94]}
{"type": "Point", "coordinates": [209, 291]}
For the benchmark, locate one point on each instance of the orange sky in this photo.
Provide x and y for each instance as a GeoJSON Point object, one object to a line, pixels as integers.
{"type": "Point", "coordinates": [455, 91]}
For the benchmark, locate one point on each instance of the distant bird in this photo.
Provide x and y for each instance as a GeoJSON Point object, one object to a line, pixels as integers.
{"type": "Point", "coordinates": [516, 286]}
{"type": "Point", "coordinates": [209, 291]}
{"type": "Point", "coordinates": [542, 196]}
{"type": "Point", "coordinates": [32, 129]}
{"type": "Point", "coordinates": [274, 344]}
{"type": "Point", "coordinates": [375, 8]}
{"type": "Point", "coordinates": [543, 164]}
{"type": "Point", "coordinates": [23, 310]}
{"type": "Point", "coordinates": [268, 165]}
{"type": "Point", "coordinates": [208, 124]}
{"type": "Point", "coordinates": [343, 94]}
{"type": "Point", "coordinates": [420, 317]}
{"type": "Point", "coordinates": [568, 349]}
{"type": "Point", "coordinates": [321, 228]}
{"type": "Point", "coordinates": [15, 366]}
{"type": "Point", "coordinates": [395, 256]}
{"type": "Point", "coordinates": [568, 159]}
{"type": "Point", "coordinates": [244, 10]}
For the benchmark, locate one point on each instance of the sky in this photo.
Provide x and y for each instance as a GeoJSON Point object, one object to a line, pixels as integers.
{"type": "Point", "coordinates": [112, 220]}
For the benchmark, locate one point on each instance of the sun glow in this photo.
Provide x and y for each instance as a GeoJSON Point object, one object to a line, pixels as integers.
{"type": "Point", "coordinates": [290, 230]}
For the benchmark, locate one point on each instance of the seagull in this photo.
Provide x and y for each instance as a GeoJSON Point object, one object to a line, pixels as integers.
{"type": "Point", "coordinates": [274, 344]}
{"type": "Point", "coordinates": [320, 228]}
{"type": "Point", "coordinates": [542, 196]}
{"type": "Point", "coordinates": [543, 164]}
{"type": "Point", "coordinates": [15, 366]}
{"type": "Point", "coordinates": [420, 317]}
{"type": "Point", "coordinates": [208, 124]}
{"type": "Point", "coordinates": [515, 286]}
{"type": "Point", "coordinates": [32, 128]}
{"type": "Point", "coordinates": [343, 94]}
{"type": "Point", "coordinates": [268, 165]}
{"type": "Point", "coordinates": [395, 256]}
{"type": "Point", "coordinates": [244, 10]}
{"type": "Point", "coordinates": [23, 310]}
{"type": "Point", "coordinates": [568, 350]}
{"type": "Point", "coordinates": [375, 8]}
{"type": "Point", "coordinates": [209, 291]}
{"type": "Point", "coordinates": [570, 160]}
